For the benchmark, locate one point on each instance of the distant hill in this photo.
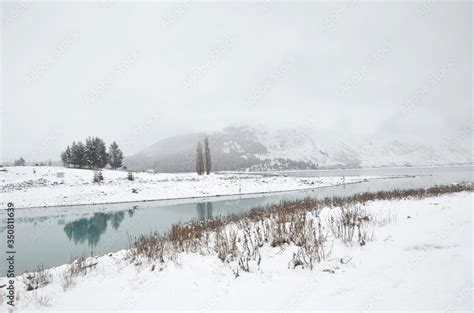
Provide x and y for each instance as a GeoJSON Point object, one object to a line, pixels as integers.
{"type": "Point", "coordinates": [259, 149]}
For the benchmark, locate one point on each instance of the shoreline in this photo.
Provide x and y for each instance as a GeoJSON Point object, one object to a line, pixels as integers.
{"type": "Point", "coordinates": [354, 169]}
{"type": "Point", "coordinates": [231, 196]}
{"type": "Point", "coordinates": [191, 198]}
{"type": "Point", "coordinates": [119, 268]}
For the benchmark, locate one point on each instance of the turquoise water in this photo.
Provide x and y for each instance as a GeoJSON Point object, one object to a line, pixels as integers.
{"type": "Point", "coordinates": [53, 236]}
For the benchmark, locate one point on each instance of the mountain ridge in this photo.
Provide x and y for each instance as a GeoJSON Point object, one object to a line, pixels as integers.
{"type": "Point", "coordinates": [259, 149]}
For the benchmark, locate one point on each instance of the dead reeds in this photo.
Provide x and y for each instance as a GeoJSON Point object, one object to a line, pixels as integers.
{"type": "Point", "coordinates": [236, 239]}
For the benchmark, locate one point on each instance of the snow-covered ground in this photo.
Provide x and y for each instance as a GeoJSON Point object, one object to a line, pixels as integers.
{"type": "Point", "coordinates": [420, 258]}
{"type": "Point", "coordinates": [39, 186]}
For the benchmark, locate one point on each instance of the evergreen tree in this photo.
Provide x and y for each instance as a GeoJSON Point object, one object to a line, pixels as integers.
{"type": "Point", "coordinates": [66, 156]}
{"type": "Point", "coordinates": [207, 156]}
{"type": "Point", "coordinates": [95, 153]}
{"type": "Point", "coordinates": [81, 154]}
{"type": "Point", "coordinates": [72, 157]}
{"type": "Point", "coordinates": [78, 154]}
{"type": "Point", "coordinates": [19, 162]}
{"type": "Point", "coordinates": [115, 156]}
{"type": "Point", "coordinates": [50, 163]}
{"type": "Point", "coordinates": [199, 159]}
{"type": "Point", "coordinates": [102, 155]}
{"type": "Point", "coordinates": [90, 153]}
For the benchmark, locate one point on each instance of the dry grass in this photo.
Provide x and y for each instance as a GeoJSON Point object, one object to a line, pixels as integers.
{"type": "Point", "coordinates": [150, 247]}
{"type": "Point", "coordinates": [67, 280]}
{"type": "Point", "coordinates": [34, 280]}
{"type": "Point", "coordinates": [41, 300]}
{"type": "Point", "coordinates": [236, 239]}
{"type": "Point", "coordinates": [78, 267]}
{"type": "Point", "coordinates": [349, 221]}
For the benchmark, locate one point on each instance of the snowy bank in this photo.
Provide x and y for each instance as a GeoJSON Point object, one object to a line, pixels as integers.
{"type": "Point", "coordinates": [41, 187]}
{"type": "Point", "coordinates": [418, 256]}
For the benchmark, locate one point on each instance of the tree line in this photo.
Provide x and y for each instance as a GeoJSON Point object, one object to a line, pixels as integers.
{"type": "Point", "coordinates": [92, 154]}
{"type": "Point", "coordinates": [203, 158]}
{"type": "Point", "coordinates": [19, 162]}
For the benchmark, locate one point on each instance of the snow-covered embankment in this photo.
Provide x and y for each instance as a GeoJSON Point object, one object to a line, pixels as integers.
{"type": "Point", "coordinates": [40, 186]}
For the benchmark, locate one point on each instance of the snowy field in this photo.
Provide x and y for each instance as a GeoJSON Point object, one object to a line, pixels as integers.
{"type": "Point", "coordinates": [419, 258]}
{"type": "Point", "coordinates": [26, 188]}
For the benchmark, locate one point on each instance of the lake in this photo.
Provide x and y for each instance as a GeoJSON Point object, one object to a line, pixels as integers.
{"type": "Point", "coordinates": [55, 235]}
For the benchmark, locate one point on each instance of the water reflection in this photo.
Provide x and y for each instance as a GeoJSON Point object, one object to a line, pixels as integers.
{"type": "Point", "coordinates": [204, 210]}
{"type": "Point", "coordinates": [52, 238]}
{"type": "Point", "coordinates": [91, 229]}
{"type": "Point", "coordinates": [117, 218]}
{"type": "Point", "coordinates": [132, 211]}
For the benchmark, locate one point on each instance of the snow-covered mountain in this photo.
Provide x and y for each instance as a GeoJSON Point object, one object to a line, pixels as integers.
{"type": "Point", "coordinates": [258, 148]}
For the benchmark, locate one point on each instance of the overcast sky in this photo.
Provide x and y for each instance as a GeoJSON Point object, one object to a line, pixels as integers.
{"type": "Point", "coordinates": [136, 73]}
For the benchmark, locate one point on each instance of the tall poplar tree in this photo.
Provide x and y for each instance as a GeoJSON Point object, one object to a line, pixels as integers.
{"type": "Point", "coordinates": [199, 159]}
{"type": "Point", "coordinates": [207, 156]}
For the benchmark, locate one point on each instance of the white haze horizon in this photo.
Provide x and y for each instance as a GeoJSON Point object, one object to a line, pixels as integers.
{"type": "Point", "coordinates": [136, 73]}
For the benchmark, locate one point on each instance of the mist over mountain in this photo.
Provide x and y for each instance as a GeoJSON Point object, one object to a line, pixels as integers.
{"type": "Point", "coordinates": [260, 149]}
